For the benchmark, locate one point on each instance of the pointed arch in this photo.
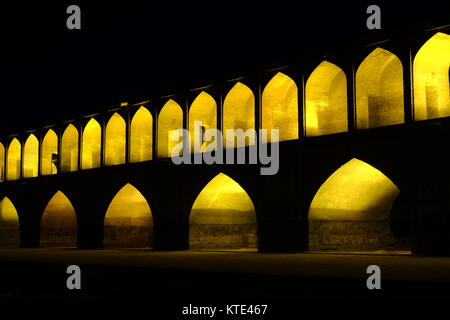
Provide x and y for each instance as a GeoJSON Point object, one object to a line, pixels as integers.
{"type": "Point", "coordinates": [280, 107]}
{"type": "Point", "coordinates": [59, 223]}
{"type": "Point", "coordinates": [379, 90]}
{"type": "Point", "coordinates": [352, 207]}
{"type": "Point", "coordinates": [91, 146]}
{"type": "Point", "coordinates": [2, 162]}
{"type": "Point", "coordinates": [69, 149]}
{"type": "Point", "coordinates": [170, 119]}
{"type": "Point", "coordinates": [49, 157]}
{"type": "Point", "coordinates": [9, 224]}
{"type": "Point", "coordinates": [203, 109]}
{"type": "Point", "coordinates": [128, 220]}
{"type": "Point", "coordinates": [31, 157]}
{"type": "Point", "coordinates": [431, 78]}
{"type": "Point", "coordinates": [222, 216]}
{"type": "Point", "coordinates": [13, 160]}
{"type": "Point", "coordinates": [141, 148]}
{"type": "Point", "coordinates": [115, 140]}
{"type": "Point", "coordinates": [239, 113]}
{"type": "Point", "coordinates": [326, 100]}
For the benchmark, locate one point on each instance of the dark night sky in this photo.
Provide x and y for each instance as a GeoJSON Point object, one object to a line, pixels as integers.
{"type": "Point", "coordinates": [128, 51]}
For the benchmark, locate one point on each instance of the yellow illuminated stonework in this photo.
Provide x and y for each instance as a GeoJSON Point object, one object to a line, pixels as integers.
{"type": "Point", "coordinates": [379, 90]}
{"type": "Point", "coordinates": [352, 208]}
{"type": "Point", "coordinates": [204, 109]}
{"type": "Point", "coordinates": [2, 162]}
{"type": "Point", "coordinates": [280, 107]}
{"type": "Point", "coordinates": [9, 224]}
{"type": "Point", "coordinates": [91, 146]}
{"type": "Point", "coordinates": [59, 223]}
{"type": "Point", "coordinates": [141, 148]}
{"type": "Point", "coordinates": [170, 119]}
{"type": "Point", "coordinates": [13, 160]}
{"type": "Point", "coordinates": [223, 216]}
{"type": "Point", "coordinates": [431, 78]}
{"type": "Point", "coordinates": [128, 221]}
{"type": "Point", "coordinates": [239, 113]}
{"type": "Point", "coordinates": [115, 140]}
{"type": "Point", "coordinates": [49, 158]}
{"type": "Point", "coordinates": [69, 149]}
{"type": "Point", "coordinates": [31, 157]}
{"type": "Point", "coordinates": [326, 100]}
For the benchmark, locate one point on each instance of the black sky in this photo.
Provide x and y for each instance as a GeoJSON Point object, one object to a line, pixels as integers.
{"type": "Point", "coordinates": [130, 50]}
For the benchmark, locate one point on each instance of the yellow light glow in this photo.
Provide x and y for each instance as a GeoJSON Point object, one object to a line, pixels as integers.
{"type": "Point", "coordinates": [91, 146]}
{"type": "Point", "coordinates": [13, 160]}
{"type": "Point", "coordinates": [31, 157]}
{"type": "Point", "coordinates": [326, 100]}
{"type": "Point", "coordinates": [356, 192]}
{"type": "Point", "coordinates": [59, 223]}
{"type": "Point", "coordinates": [280, 107]}
{"type": "Point", "coordinates": [379, 90]}
{"type": "Point", "coordinates": [239, 112]}
{"type": "Point", "coordinates": [69, 149]}
{"type": "Point", "coordinates": [223, 215]}
{"type": "Point", "coordinates": [170, 119]}
{"type": "Point", "coordinates": [9, 224]}
{"type": "Point", "coordinates": [128, 221]}
{"type": "Point", "coordinates": [141, 148]}
{"type": "Point", "coordinates": [115, 140]}
{"type": "Point", "coordinates": [431, 78]}
{"type": "Point", "coordinates": [49, 157]}
{"type": "Point", "coordinates": [204, 109]}
{"type": "Point", "coordinates": [2, 162]}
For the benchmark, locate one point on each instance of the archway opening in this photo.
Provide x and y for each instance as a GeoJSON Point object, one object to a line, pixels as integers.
{"type": "Point", "coordinates": [9, 224]}
{"type": "Point", "coordinates": [2, 162]}
{"type": "Point", "coordinates": [223, 217]}
{"type": "Point", "coordinates": [49, 157]}
{"type": "Point", "coordinates": [31, 157]}
{"type": "Point", "coordinates": [326, 100]}
{"type": "Point", "coordinates": [204, 110]}
{"type": "Point", "coordinates": [280, 107]}
{"type": "Point", "coordinates": [91, 147]}
{"type": "Point", "coordinates": [239, 113]}
{"type": "Point", "coordinates": [351, 210]}
{"type": "Point", "coordinates": [115, 140]}
{"type": "Point", "coordinates": [59, 223]}
{"type": "Point", "coordinates": [128, 221]}
{"type": "Point", "coordinates": [13, 160]}
{"type": "Point", "coordinates": [170, 119]}
{"type": "Point", "coordinates": [69, 149]}
{"type": "Point", "coordinates": [379, 90]}
{"type": "Point", "coordinates": [431, 78]}
{"type": "Point", "coordinates": [141, 148]}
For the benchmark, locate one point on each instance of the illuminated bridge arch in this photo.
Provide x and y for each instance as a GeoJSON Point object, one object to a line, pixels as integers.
{"type": "Point", "coordinates": [128, 221]}
{"type": "Point", "coordinates": [431, 78]}
{"type": "Point", "coordinates": [49, 157]}
{"type": "Point", "coordinates": [204, 109]}
{"type": "Point", "coordinates": [351, 209]}
{"type": "Point", "coordinates": [326, 100]}
{"type": "Point", "coordinates": [59, 223]}
{"type": "Point", "coordinates": [141, 144]}
{"type": "Point", "coordinates": [115, 140]}
{"type": "Point", "coordinates": [280, 107]}
{"type": "Point", "coordinates": [9, 224]}
{"type": "Point", "coordinates": [379, 90]}
{"type": "Point", "coordinates": [170, 119]}
{"type": "Point", "coordinates": [239, 112]}
{"type": "Point", "coordinates": [223, 216]}
{"type": "Point", "coordinates": [31, 157]}
{"type": "Point", "coordinates": [91, 145]}
{"type": "Point", "coordinates": [69, 149]}
{"type": "Point", "coordinates": [13, 160]}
